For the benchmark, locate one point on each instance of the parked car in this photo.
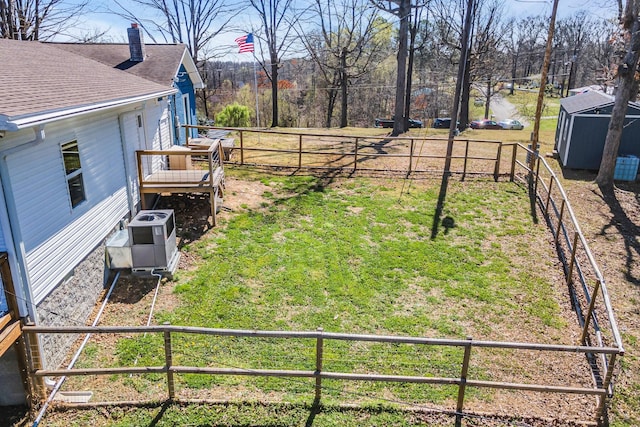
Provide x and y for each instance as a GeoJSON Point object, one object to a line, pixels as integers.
{"type": "Point", "coordinates": [442, 123]}
{"type": "Point", "coordinates": [511, 124]}
{"type": "Point", "coordinates": [388, 123]}
{"type": "Point", "coordinates": [484, 124]}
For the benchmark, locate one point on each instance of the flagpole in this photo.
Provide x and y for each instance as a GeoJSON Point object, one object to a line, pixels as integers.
{"type": "Point", "coordinates": [255, 80]}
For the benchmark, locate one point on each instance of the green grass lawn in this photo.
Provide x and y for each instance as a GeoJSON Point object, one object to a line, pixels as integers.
{"type": "Point", "coordinates": [354, 256]}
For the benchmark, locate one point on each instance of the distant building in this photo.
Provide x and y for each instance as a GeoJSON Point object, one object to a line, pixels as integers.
{"type": "Point", "coordinates": [582, 127]}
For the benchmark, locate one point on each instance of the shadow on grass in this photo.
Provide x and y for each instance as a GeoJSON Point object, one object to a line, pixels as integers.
{"type": "Point", "coordinates": [627, 228]}
{"type": "Point", "coordinates": [447, 222]}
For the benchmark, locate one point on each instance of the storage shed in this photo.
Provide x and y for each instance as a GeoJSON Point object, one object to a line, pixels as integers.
{"type": "Point", "coordinates": [582, 128]}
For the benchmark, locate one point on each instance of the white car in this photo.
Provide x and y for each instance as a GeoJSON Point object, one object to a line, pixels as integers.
{"type": "Point", "coordinates": [511, 124]}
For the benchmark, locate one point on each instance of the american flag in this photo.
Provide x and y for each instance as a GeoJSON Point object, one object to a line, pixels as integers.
{"type": "Point", "coordinates": [245, 43]}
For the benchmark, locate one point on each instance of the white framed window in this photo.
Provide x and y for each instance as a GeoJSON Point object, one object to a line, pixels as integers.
{"type": "Point", "coordinates": [73, 171]}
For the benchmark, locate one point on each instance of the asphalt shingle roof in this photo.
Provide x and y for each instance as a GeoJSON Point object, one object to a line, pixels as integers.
{"type": "Point", "coordinates": [38, 78]}
{"type": "Point", "coordinates": [585, 101]}
{"type": "Point", "coordinates": [161, 62]}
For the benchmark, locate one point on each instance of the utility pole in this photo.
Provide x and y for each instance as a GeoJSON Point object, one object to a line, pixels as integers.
{"type": "Point", "coordinates": [543, 81]}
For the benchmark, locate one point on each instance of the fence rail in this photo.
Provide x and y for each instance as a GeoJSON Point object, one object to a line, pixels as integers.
{"type": "Point", "coordinates": [362, 153]}
{"type": "Point", "coordinates": [322, 338]}
{"type": "Point", "coordinates": [600, 340]}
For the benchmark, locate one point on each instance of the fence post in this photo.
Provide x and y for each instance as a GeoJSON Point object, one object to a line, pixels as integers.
{"type": "Point", "coordinates": [300, 151]}
{"type": "Point", "coordinates": [592, 305]}
{"type": "Point", "coordinates": [355, 156]}
{"type": "Point", "coordinates": [535, 188]}
{"type": "Point", "coordinates": [319, 349]}
{"type": "Point", "coordinates": [466, 155]}
{"type": "Point", "coordinates": [605, 386]}
{"type": "Point", "coordinates": [463, 381]}
{"type": "Point", "coordinates": [168, 357]}
{"type": "Point", "coordinates": [34, 361]}
{"type": "Point", "coordinates": [411, 148]}
{"type": "Point", "coordinates": [513, 163]}
{"type": "Point", "coordinates": [241, 147]}
{"type": "Point", "coordinates": [496, 171]}
{"type": "Point", "coordinates": [555, 240]}
{"type": "Point", "coordinates": [574, 249]}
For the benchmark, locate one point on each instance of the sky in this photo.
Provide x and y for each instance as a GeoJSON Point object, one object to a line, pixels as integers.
{"type": "Point", "coordinates": [116, 26]}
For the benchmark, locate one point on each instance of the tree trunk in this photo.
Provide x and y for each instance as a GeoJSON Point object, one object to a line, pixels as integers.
{"type": "Point", "coordinates": [404, 10]}
{"type": "Point", "coordinates": [407, 100]}
{"type": "Point", "coordinates": [514, 66]}
{"type": "Point", "coordinates": [274, 91]}
{"type": "Point", "coordinates": [464, 97]}
{"type": "Point", "coordinates": [343, 85]}
{"type": "Point", "coordinates": [626, 73]}
{"type": "Point", "coordinates": [488, 101]}
{"type": "Point", "coordinates": [332, 93]}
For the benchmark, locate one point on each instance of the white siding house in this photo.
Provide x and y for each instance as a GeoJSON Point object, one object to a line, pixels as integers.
{"type": "Point", "coordinates": [69, 128]}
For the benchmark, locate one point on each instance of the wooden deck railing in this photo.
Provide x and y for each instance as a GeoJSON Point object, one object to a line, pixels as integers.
{"type": "Point", "coordinates": [158, 173]}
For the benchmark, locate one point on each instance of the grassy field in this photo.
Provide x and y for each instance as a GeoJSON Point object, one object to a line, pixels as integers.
{"type": "Point", "coordinates": [354, 256]}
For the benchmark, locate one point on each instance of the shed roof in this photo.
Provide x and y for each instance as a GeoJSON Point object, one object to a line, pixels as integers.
{"type": "Point", "coordinates": [161, 62]}
{"type": "Point", "coordinates": [586, 101]}
{"type": "Point", "coordinates": [42, 82]}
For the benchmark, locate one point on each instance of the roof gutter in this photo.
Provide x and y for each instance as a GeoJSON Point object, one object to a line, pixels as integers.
{"type": "Point", "coordinates": [16, 124]}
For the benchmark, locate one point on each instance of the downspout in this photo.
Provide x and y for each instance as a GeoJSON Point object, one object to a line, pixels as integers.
{"type": "Point", "coordinates": [14, 223]}
{"type": "Point", "coordinates": [127, 170]}
{"type": "Point", "coordinates": [174, 120]}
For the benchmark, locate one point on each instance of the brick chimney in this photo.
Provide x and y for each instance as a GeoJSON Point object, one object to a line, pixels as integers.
{"type": "Point", "coordinates": [136, 43]}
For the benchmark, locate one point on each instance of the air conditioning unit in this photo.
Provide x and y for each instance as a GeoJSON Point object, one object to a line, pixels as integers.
{"type": "Point", "coordinates": [152, 237]}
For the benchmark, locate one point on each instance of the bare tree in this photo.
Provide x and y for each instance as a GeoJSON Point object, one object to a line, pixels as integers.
{"type": "Point", "coordinates": [38, 19]}
{"type": "Point", "coordinates": [626, 72]}
{"type": "Point", "coordinates": [345, 47]}
{"type": "Point", "coordinates": [417, 24]}
{"type": "Point", "coordinates": [192, 22]}
{"type": "Point", "coordinates": [277, 22]}
{"type": "Point", "coordinates": [402, 10]}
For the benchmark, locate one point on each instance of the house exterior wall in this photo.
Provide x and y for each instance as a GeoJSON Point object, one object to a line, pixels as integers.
{"type": "Point", "coordinates": [53, 235]}
{"type": "Point", "coordinates": [63, 247]}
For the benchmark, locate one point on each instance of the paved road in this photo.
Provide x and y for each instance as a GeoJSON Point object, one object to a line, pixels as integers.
{"type": "Point", "coordinates": [503, 109]}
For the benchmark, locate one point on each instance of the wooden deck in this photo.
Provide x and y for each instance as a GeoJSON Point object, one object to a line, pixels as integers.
{"type": "Point", "coordinates": [183, 177]}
